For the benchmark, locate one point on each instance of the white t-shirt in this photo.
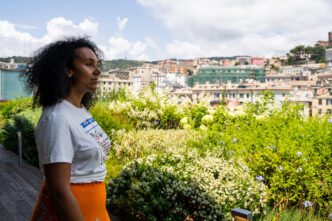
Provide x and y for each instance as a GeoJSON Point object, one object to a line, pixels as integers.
{"type": "Point", "coordinates": [69, 134]}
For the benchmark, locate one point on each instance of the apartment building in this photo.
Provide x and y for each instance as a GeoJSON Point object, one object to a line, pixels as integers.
{"type": "Point", "coordinates": [329, 57]}
{"type": "Point", "coordinates": [259, 61]}
{"type": "Point", "coordinates": [112, 81]}
{"type": "Point", "coordinates": [223, 74]}
{"type": "Point", "coordinates": [143, 75]}
{"type": "Point", "coordinates": [8, 66]}
{"type": "Point", "coordinates": [169, 80]}
{"type": "Point", "coordinates": [243, 60]}
{"type": "Point", "coordinates": [322, 104]}
{"type": "Point", "coordinates": [241, 93]}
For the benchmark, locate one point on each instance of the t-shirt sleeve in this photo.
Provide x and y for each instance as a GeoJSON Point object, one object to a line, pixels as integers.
{"type": "Point", "coordinates": [54, 140]}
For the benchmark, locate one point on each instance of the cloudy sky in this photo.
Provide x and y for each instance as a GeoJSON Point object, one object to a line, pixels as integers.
{"type": "Point", "coordinates": [161, 29]}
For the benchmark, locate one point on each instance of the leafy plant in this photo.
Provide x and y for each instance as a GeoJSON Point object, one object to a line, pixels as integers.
{"type": "Point", "coordinates": [179, 187]}
{"type": "Point", "coordinates": [24, 122]}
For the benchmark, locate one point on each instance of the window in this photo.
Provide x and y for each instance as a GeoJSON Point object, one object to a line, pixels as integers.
{"type": "Point", "coordinates": [247, 95]}
{"type": "Point", "coordinates": [329, 111]}
{"type": "Point", "coordinates": [241, 96]}
{"type": "Point", "coordinates": [319, 111]}
{"type": "Point", "coordinates": [320, 101]}
{"type": "Point", "coordinates": [283, 94]}
{"type": "Point", "coordinates": [233, 95]}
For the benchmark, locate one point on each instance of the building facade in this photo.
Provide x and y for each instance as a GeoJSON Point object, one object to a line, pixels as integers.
{"type": "Point", "coordinates": [224, 74]}
{"type": "Point", "coordinates": [108, 83]}
{"type": "Point", "coordinates": [329, 57]}
{"type": "Point", "coordinates": [322, 104]}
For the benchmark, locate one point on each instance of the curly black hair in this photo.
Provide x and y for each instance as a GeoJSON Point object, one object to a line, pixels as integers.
{"type": "Point", "coordinates": [46, 74]}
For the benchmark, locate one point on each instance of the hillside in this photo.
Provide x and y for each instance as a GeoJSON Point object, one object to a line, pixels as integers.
{"type": "Point", "coordinates": [17, 59]}
{"type": "Point", "coordinates": [107, 64]}
{"type": "Point", "coordinates": [121, 64]}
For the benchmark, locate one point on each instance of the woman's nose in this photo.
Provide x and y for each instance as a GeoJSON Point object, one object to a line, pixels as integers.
{"type": "Point", "coordinates": [97, 71]}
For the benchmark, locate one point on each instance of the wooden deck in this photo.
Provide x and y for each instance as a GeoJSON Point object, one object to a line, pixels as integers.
{"type": "Point", "coordinates": [19, 188]}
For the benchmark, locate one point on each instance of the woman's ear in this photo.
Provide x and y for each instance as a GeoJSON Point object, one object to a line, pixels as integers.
{"type": "Point", "coordinates": [70, 72]}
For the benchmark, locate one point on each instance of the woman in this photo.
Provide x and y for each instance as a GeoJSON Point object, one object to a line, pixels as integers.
{"type": "Point", "coordinates": [72, 148]}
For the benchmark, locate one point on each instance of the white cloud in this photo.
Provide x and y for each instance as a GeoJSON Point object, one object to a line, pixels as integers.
{"type": "Point", "coordinates": [89, 27]}
{"type": "Point", "coordinates": [60, 27]}
{"type": "Point", "coordinates": [122, 23]}
{"type": "Point", "coordinates": [178, 49]}
{"type": "Point", "coordinates": [122, 48]}
{"type": "Point", "coordinates": [119, 48]}
{"type": "Point", "coordinates": [15, 42]}
{"type": "Point", "coordinates": [137, 49]}
{"type": "Point", "coordinates": [228, 27]}
{"type": "Point", "coordinates": [143, 57]}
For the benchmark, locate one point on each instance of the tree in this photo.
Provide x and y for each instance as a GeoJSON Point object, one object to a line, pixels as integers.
{"type": "Point", "coordinates": [302, 54]}
{"type": "Point", "coordinates": [318, 54]}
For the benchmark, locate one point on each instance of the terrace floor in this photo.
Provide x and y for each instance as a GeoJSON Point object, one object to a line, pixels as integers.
{"type": "Point", "coordinates": [19, 187]}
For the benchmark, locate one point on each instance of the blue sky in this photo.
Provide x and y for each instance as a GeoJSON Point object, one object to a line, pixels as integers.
{"type": "Point", "coordinates": [161, 29]}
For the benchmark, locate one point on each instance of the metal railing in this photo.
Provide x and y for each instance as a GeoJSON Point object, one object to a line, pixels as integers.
{"type": "Point", "coordinates": [19, 142]}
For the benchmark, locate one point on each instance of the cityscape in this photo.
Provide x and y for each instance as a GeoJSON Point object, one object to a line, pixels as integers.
{"type": "Point", "coordinates": [236, 80]}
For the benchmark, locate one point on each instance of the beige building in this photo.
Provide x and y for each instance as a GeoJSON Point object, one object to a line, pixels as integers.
{"type": "Point", "coordinates": [109, 82]}
{"type": "Point", "coordinates": [240, 93]}
{"type": "Point", "coordinates": [8, 66]}
{"type": "Point", "coordinates": [322, 104]}
{"type": "Point", "coordinates": [144, 75]}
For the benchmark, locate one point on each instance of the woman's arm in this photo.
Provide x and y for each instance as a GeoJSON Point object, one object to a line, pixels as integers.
{"type": "Point", "coordinates": [58, 182]}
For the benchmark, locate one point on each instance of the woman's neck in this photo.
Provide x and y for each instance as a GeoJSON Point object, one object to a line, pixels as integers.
{"type": "Point", "coordinates": [75, 98]}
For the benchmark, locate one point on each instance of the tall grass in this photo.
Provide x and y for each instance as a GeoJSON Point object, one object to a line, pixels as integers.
{"type": "Point", "coordinates": [293, 214]}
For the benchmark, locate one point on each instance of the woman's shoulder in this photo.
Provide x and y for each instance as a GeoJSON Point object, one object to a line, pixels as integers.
{"type": "Point", "coordinates": [63, 110]}
{"type": "Point", "coordinates": [57, 109]}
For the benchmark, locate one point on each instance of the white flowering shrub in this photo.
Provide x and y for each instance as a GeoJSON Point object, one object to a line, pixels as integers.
{"type": "Point", "coordinates": [150, 109]}
{"type": "Point", "coordinates": [185, 186]}
{"type": "Point", "coordinates": [207, 119]}
{"type": "Point", "coordinates": [161, 110]}
{"type": "Point", "coordinates": [130, 145]}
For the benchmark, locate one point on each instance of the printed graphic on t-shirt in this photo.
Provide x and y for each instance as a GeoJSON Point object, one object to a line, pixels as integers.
{"type": "Point", "coordinates": [91, 127]}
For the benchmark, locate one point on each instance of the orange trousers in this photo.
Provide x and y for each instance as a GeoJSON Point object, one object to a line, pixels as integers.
{"type": "Point", "coordinates": [91, 198]}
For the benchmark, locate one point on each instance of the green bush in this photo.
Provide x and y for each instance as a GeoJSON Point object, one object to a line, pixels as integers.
{"type": "Point", "coordinates": [292, 154]}
{"type": "Point", "coordinates": [10, 108]}
{"type": "Point", "coordinates": [196, 112]}
{"type": "Point", "coordinates": [150, 109]}
{"type": "Point", "coordinates": [25, 122]}
{"type": "Point", "coordinates": [109, 120]}
{"type": "Point", "coordinates": [184, 186]}
{"type": "Point", "coordinates": [130, 145]}
{"type": "Point", "coordinates": [293, 214]}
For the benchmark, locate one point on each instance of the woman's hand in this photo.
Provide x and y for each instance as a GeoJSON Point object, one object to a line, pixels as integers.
{"type": "Point", "coordinates": [58, 183]}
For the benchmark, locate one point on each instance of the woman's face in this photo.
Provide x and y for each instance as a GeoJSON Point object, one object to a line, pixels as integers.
{"type": "Point", "coordinates": [86, 70]}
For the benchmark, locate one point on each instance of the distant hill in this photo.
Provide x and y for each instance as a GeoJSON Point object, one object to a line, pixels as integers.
{"type": "Point", "coordinates": [229, 58]}
{"type": "Point", "coordinates": [17, 59]}
{"type": "Point", "coordinates": [121, 64]}
{"type": "Point", "coordinates": [107, 64]}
